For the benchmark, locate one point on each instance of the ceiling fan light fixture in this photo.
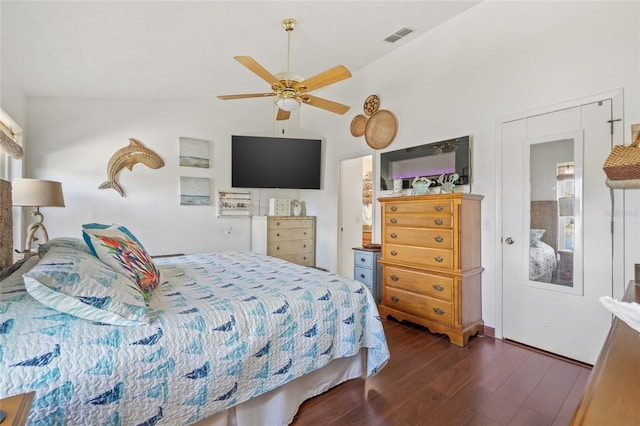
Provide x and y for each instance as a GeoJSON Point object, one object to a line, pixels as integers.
{"type": "Point", "coordinates": [287, 103]}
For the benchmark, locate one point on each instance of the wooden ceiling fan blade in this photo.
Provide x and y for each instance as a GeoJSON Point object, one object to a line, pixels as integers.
{"type": "Point", "coordinates": [245, 96]}
{"type": "Point", "coordinates": [325, 104]}
{"type": "Point", "coordinates": [283, 115]}
{"type": "Point", "coordinates": [325, 78]}
{"type": "Point", "coordinates": [259, 70]}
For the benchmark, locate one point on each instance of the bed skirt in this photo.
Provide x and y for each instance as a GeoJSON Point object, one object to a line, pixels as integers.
{"type": "Point", "coordinates": [279, 406]}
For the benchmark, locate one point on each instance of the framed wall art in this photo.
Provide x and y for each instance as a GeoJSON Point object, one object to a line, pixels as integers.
{"type": "Point", "coordinates": [194, 152]}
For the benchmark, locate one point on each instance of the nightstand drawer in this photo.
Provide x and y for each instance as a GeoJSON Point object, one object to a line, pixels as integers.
{"type": "Point", "coordinates": [363, 258]}
{"type": "Point", "coordinates": [364, 275]}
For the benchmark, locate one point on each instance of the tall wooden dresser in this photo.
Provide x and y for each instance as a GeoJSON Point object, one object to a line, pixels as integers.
{"type": "Point", "coordinates": [291, 238]}
{"type": "Point", "coordinates": [431, 264]}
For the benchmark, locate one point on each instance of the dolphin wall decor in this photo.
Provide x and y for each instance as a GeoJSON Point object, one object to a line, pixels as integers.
{"type": "Point", "coordinates": [127, 157]}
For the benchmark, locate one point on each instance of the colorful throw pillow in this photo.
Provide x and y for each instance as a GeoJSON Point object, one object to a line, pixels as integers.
{"type": "Point", "coordinates": [78, 284]}
{"type": "Point", "coordinates": [535, 236]}
{"type": "Point", "coordinates": [68, 242]}
{"type": "Point", "coordinates": [116, 246]}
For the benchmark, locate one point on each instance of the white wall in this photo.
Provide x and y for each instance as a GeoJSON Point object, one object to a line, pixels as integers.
{"type": "Point", "coordinates": [497, 59]}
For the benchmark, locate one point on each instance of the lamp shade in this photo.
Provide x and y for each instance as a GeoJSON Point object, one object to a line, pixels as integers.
{"type": "Point", "coordinates": [287, 103]}
{"type": "Point", "coordinates": [37, 193]}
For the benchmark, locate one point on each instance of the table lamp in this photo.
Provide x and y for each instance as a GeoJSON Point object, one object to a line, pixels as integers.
{"type": "Point", "coordinates": [37, 193]}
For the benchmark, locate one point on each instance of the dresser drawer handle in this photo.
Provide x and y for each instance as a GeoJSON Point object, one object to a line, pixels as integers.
{"type": "Point", "coordinates": [394, 299]}
{"type": "Point", "coordinates": [362, 275]}
{"type": "Point", "coordinates": [277, 223]}
{"type": "Point", "coordinates": [304, 233]}
{"type": "Point", "coordinates": [393, 235]}
{"type": "Point", "coordinates": [438, 287]}
{"type": "Point", "coordinates": [439, 207]}
{"type": "Point", "coordinates": [278, 248]}
{"type": "Point", "coordinates": [438, 222]}
{"type": "Point", "coordinates": [394, 208]}
{"type": "Point", "coordinates": [304, 246]}
{"type": "Point", "coordinates": [394, 278]}
{"type": "Point", "coordinates": [438, 239]}
{"type": "Point", "coordinates": [438, 311]}
{"type": "Point", "coordinates": [362, 259]}
{"type": "Point", "coordinates": [394, 253]}
{"type": "Point", "coordinates": [393, 220]}
{"type": "Point", "coordinates": [278, 234]}
{"type": "Point", "coordinates": [438, 259]}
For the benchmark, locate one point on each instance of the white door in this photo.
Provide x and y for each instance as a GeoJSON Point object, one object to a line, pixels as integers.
{"type": "Point", "coordinates": [350, 213]}
{"type": "Point", "coordinates": [556, 230]}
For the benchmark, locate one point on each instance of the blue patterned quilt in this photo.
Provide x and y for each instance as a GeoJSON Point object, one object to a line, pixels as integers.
{"type": "Point", "coordinates": [225, 327]}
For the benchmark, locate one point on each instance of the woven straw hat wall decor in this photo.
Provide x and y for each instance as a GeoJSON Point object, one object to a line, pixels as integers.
{"type": "Point", "coordinates": [379, 126]}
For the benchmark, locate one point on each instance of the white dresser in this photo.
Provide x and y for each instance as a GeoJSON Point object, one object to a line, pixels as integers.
{"type": "Point", "coordinates": [291, 238]}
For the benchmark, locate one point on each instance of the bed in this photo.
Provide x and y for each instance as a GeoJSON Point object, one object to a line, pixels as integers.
{"type": "Point", "coordinates": [224, 338]}
{"type": "Point", "coordinates": [543, 257]}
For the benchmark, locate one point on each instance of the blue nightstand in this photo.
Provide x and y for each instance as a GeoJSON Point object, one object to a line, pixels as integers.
{"type": "Point", "coordinates": [366, 269]}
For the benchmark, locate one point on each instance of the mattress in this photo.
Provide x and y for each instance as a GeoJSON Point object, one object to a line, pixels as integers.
{"type": "Point", "coordinates": [225, 328]}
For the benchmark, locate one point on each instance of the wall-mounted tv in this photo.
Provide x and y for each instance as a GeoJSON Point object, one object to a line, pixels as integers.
{"type": "Point", "coordinates": [275, 162]}
{"type": "Point", "coordinates": [430, 160]}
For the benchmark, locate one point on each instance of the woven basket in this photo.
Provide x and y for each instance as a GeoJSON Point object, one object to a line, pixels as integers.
{"type": "Point", "coordinates": [623, 162]}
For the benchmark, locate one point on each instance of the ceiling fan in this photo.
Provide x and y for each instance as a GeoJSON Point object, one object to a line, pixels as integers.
{"type": "Point", "coordinates": [292, 90]}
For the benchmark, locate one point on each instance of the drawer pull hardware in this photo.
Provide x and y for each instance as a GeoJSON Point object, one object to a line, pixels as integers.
{"type": "Point", "coordinates": [393, 220]}
{"type": "Point", "coordinates": [304, 246]}
{"type": "Point", "coordinates": [362, 259]}
{"type": "Point", "coordinates": [393, 235]}
{"type": "Point", "coordinates": [394, 208]}
{"type": "Point", "coordinates": [438, 311]}
{"type": "Point", "coordinates": [439, 208]}
{"type": "Point", "coordinates": [438, 259]}
{"type": "Point", "coordinates": [438, 222]}
{"type": "Point", "coordinates": [394, 278]}
{"type": "Point", "coordinates": [394, 299]}
{"type": "Point", "coordinates": [438, 239]}
{"type": "Point", "coordinates": [277, 223]}
{"type": "Point", "coordinates": [394, 253]}
{"type": "Point", "coordinates": [278, 248]}
{"type": "Point", "coordinates": [361, 275]}
{"type": "Point", "coordinates": [278, 234]}
{"type": "Point", "coordinates": [438, 287]}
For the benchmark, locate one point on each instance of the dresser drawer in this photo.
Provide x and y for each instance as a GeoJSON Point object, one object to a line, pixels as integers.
{"type": "Point", "coordinates": [276, 234]}
{"type": "Point", "coordinates": [439, 258]}
{"type": "Point", "coordinates": [419, 221]}
{"type": "Point", "coordinates": [419, 207]}
{"type": "Point", "coordinates": [423, 306]}
{"type": "Point", "coordinates": [363, 258]}
{"type": "Point", "coordinates": [424, 237]}
{"type": "Point", "coordinates": [289, 223]}
{"type": "Point", "coordinates": [277, 248]}
{"type": "Point", "coordinates": [304, 259]}
{"type": "Point", "coordinates": [419, 282]}
{"type": "Point", "coordinates": [364, 275]}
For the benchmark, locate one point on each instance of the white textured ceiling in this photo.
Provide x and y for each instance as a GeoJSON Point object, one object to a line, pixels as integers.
{"type": "Point", "coordinates": [185, 49]}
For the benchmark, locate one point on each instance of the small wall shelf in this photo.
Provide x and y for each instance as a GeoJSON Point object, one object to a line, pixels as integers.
{"type": "Point", "coordinates": [234, 203]}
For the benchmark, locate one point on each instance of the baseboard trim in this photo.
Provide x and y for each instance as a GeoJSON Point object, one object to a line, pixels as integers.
{"type": "Point", "coordinates": [489, 331]}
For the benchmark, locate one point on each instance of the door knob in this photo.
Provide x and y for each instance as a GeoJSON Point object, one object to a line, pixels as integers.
{"type": "Point", "coordinates": [508, 240]}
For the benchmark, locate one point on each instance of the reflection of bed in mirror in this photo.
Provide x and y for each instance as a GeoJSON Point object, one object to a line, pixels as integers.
{"type": "Point", "coordinates": [543, 258]}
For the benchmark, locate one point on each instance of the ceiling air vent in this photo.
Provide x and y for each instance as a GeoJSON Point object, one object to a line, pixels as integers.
{"type": "Point", "coordinates": [403, 32]}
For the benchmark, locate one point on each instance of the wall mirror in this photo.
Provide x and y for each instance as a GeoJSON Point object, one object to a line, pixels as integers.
{"type": "Point", "coordinates": [431, 160]}
{"type": "Point", "coordinates": [555, 225]}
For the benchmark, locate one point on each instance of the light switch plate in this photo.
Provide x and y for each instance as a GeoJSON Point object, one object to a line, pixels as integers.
{"type": "Point", "coordinates": [279, 207]}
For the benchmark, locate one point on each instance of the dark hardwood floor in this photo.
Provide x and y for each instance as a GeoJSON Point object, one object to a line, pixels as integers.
{"type": "Point", "coordinates": [429, 381]}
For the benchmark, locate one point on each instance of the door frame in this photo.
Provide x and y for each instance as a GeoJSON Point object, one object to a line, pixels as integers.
{"type": "Point", "coordinates": [618, 260]}
{"type": "Point", "coordinates": [351, 156]}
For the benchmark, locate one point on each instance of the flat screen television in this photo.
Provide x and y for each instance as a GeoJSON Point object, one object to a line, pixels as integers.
{"type": "Point", "coordinates": [275, 162]}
